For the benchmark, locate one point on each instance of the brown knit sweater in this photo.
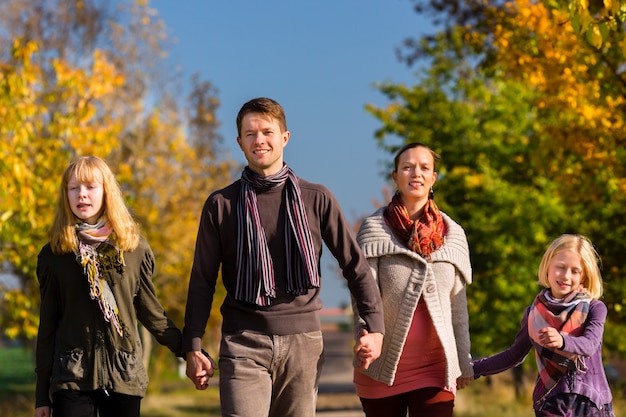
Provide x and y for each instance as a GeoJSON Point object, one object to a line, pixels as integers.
{"type": "Point", "coordinates": [216, 247]}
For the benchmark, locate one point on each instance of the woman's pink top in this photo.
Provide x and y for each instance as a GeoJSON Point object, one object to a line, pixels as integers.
{"type": "Point", "coordinates": [422, 363]}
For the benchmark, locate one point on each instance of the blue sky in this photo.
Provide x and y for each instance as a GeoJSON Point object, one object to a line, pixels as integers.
{"type": "Point", "coordinates": [320, 60]}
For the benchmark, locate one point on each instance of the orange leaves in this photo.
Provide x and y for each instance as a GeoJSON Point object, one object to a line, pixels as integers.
{"type": "Point", "coordinates": [537, 46]}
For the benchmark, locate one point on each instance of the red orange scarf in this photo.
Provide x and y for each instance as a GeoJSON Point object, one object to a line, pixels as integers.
{"type": "Point", "coordinates": [423, 236]}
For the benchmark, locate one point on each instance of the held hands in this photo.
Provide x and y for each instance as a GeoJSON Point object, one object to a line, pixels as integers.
{"type": "Point", "coordinates": [200, 369]}
{"type": "Point", "coordinates": [42, 411]}
{"type": "Point", "coordinates": [550, 338]}
{"type": "Point", "coordinates": [367, 348]}
{"type": "Point", "coordinates": [463, 381]}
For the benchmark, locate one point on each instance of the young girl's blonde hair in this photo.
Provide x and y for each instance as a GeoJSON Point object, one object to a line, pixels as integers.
{"type": "Point", "coordinates": [591, 277]}
{"type": "Point", "coordinates": [92, 169]}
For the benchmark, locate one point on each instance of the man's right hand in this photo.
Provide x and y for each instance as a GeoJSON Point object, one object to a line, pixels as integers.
{"type": "Point", "coordinates": [368, 348]}
{"type": "Point", "coordinates": [200, 368]}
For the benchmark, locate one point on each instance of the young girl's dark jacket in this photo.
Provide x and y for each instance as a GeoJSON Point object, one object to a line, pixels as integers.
{"type": "Point", "coordinates": [76, 348]}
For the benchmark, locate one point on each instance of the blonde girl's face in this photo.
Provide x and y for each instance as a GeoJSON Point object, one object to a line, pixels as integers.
{"type": "Point", "coordinates": [86, 198]}
{"type": "Point", "coordinates": [565, 273]}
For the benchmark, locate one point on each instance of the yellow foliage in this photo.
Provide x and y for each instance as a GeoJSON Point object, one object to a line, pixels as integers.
{"type": "Point", "coordinates": [43, 125]}
{"type": "Point", "coordinates": [18, 315]}
{"type": "Point", "coordinates": [594, 36]}
{"type": "Point", "coordinates": [52, 110]}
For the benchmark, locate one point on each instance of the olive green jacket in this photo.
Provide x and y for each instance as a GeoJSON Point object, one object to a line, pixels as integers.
{"type": "Point", "coordinates": [76, 348]}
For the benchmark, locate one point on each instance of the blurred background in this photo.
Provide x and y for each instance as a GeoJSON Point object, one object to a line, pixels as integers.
{"type": "Point", "coordinates": [524, 100]}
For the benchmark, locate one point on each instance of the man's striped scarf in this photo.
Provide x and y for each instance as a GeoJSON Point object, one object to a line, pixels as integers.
{"type": "Point", "coordinates": [567, 316]}
{"type": "Point", "coordinates": [255, 270]}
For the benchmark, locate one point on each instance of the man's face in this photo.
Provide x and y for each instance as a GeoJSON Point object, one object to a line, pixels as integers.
{"type": "Point", "coordinates": [262, 143]}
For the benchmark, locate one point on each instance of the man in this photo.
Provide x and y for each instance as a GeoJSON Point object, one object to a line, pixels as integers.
{"type": "Point", "coordinates": [266, 231]}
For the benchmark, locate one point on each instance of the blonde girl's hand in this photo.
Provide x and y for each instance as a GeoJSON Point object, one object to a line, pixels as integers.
{"type": "Point", "coordinates": [550, 338]}
{"type": "Point", "coordinates": [463, 381]}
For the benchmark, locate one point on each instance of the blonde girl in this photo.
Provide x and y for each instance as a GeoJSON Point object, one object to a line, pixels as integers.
{"type": "Point", "coordinates": [565, 325]}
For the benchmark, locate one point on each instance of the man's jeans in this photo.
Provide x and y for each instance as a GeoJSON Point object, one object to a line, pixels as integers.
{"type": "Point", "coordinates": [275, 376]}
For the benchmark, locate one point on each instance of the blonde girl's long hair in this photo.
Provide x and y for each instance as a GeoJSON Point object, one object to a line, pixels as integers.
{"type": "Point", "coordinates": [591, 277]}
{"type": "Point", "coordinates": [92, 169]}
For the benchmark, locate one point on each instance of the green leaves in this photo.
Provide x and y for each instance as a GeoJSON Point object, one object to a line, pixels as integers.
{"type": "Point", "coordinates": [594, 20]}
{"type": "Point", "coordinates": [529, 122]}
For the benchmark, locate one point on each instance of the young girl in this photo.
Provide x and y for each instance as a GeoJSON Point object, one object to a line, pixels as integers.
{"type": "Point", "coordinates": [95, 278]}
{"type": "Point", "coordinates": [564, 324]}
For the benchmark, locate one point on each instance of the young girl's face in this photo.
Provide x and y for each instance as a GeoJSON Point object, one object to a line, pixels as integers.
{"type": "Point", "coordinates": [565, 273]}
{"type": "Point", "coordinates": [85, 199]}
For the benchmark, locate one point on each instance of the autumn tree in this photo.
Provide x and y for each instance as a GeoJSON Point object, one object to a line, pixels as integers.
{"type": "Point", "coordinates": [594, 19]}
{"type": "Point", "coordinates": [34, 150]}
{"type": "Point", "coordinates": [529, 120]}
{"type": "Point", "coordinates": [83, 77]}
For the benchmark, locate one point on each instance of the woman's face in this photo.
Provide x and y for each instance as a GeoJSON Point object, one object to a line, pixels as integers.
{"type": "Point", "coordinates": [415, 175]}
{"type": "Point", "coordinates": [86, 199]}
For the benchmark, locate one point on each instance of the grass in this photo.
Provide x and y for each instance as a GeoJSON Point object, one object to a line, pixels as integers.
{"type": "Point", "coordinates": [182, 402]}
{"type": "Point", "coordinates": [17, 382]}
{"type": "Point", "coordinates": [173, 397]}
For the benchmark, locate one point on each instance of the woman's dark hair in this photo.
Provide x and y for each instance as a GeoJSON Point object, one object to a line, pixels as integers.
{"type": "Point", "coordinates": [412, 145]}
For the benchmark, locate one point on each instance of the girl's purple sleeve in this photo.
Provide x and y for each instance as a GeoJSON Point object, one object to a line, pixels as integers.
{"type": "Point", "coordinates": [509, 358]}
{"type": "Point", "coordinates": [589, 342]}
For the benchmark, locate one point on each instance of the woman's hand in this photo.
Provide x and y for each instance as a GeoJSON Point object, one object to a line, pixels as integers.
{"type": "Point", "coordinates": [368, 348]}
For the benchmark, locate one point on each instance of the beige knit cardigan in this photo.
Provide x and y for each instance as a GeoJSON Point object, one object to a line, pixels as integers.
{"type": "Point", "coordinates": [403, 277]}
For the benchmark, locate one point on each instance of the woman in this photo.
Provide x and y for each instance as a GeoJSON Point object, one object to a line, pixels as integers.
{"type": "Point", "coordinates": [95, 278]}
{"type": "Point", "coordinates": [420, 259]}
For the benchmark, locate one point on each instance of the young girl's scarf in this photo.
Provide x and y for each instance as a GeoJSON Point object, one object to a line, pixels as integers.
{"type": "Point", "coordinates": [97, 254]}
{"type": "Point", "coordinates": [567, 316]}
{"type": "Point", "coordinates": [255, 271]}
{"type": "Point", "coordinates": [423, 236]}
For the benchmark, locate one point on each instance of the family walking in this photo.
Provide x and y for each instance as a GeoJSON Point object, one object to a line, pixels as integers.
{"type": "Point", "coordinates": [407, 270]}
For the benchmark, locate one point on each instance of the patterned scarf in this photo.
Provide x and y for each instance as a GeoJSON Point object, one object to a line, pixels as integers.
{"type": "Point", "coordinates": [567, 316]}
{"type": "Point", "coordinates": [97, 254]}
{"type": "Point", "coordinates": [423, 236]}
{"type": "Point", "coordinates": [255, 270]}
